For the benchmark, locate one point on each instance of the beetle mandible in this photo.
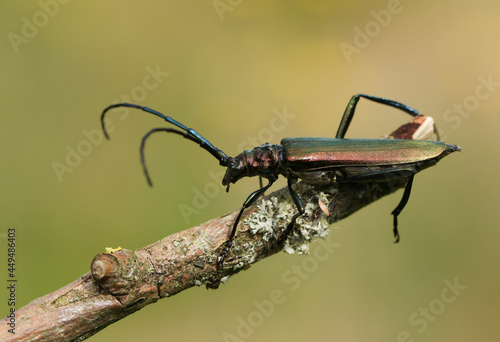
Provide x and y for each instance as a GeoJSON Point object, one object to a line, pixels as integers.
{"type": "Point", "coordinates": [315, 160]}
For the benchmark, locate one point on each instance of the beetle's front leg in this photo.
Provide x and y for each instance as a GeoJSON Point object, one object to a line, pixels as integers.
{"type": "Point", "coordinates": [254, 196]}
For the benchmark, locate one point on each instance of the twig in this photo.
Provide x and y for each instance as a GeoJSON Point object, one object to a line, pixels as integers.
{"type": "Point", "coordinates": [123, 282]}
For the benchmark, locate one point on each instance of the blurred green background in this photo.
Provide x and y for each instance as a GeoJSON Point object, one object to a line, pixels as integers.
{"type": "Point", "coordinates": [231, 66]}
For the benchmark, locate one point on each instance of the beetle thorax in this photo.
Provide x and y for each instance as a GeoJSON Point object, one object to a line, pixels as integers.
{"type": "Point", "coordinates": [264, 160]}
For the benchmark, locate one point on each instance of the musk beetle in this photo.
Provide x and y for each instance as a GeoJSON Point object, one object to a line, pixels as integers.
{"type": "Point", "coordinates": [316, 160]}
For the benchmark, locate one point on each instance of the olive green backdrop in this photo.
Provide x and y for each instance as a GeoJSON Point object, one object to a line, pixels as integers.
{"type": "Point", "coordinates": [242, 73]}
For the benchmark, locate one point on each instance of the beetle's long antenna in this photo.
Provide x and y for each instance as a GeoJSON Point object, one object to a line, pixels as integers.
{"type": "Point", "coordinates": [186, 132]}
{"type": "Point", "coordinates": [143, 145]}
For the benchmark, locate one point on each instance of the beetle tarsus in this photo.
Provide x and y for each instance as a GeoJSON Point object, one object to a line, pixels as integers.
{"type": "Point", "coordinates": [395, 229]}
{"type": "Point", "coordinates": [223, 254]}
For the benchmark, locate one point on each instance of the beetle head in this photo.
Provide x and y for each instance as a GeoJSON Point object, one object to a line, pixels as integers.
{"type": "Point", "coordinates": [236, 169]}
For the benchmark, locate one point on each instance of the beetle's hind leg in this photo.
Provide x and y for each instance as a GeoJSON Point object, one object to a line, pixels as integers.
{"type": "Point", "coordinates": [400, 207]}
{"type": "Point", "coordinates": [388, 176]}
{"type": "Point", "coordinates": [351, 107]}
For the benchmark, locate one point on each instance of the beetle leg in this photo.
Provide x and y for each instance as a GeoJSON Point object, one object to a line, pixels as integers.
{"type": "Point", "coordinates": [254, 196]}
{"type": "Point", "coordinates": [388, 176]}
{"type": "Point", "coordinates": [401, 205]}
{"type": "Point", "coordinates": [260, 182]}
{"type": "Point", "coordinates": [300, 208]}
{"type": "Point", "coordinates": [351, 107]}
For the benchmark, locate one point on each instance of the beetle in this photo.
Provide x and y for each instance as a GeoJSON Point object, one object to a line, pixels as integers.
{"type": "Point", "coordinates": [315, 160]}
